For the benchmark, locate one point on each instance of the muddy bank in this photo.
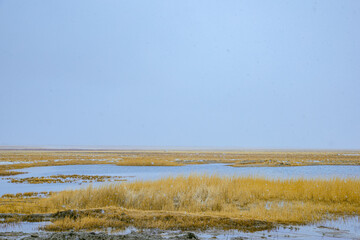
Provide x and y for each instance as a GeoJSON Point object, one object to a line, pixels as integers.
{"type": "Point", "coordinates": [103, 219]}
{"type": "Point", "coordinates": [339, 229]}
{"type": "Point", "coordinates": [149, 235]}
{"type": "Point", "coordinates": [17, 217]}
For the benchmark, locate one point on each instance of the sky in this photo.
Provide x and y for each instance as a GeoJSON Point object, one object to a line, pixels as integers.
{"type": "Point", "coordinates": [256, 74]}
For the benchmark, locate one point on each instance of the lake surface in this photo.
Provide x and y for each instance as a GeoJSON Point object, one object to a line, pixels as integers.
{"type": "Point", "coordinates": [132, 173]}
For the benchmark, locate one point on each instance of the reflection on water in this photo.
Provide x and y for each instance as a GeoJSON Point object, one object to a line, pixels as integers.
{"type": "Point", "coordinates": [26, 227]}
{"type": "Point", "coordinates": [152, 173]}
{"type": "Point", "coordinates": [338, 229]}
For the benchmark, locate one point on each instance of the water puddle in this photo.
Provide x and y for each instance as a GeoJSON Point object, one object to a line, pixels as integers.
{"type": "Point", "coordinates": [348, 228]}
{"type": "Point", "coordinates": [25, 227]}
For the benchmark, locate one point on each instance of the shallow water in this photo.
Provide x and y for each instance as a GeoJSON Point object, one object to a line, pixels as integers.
{"type": "Point", "coordinates": [337, 229]}
{"type": "Point", "coordinates": [132, 173]}
{"type": "Point", "coordinates": [26, 227]}
{"type": "Point", "coordinates": [347, 228]}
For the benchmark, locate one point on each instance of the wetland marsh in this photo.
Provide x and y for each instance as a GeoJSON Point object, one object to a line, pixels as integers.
{"type": "Point", "coordinates": [198, 191]}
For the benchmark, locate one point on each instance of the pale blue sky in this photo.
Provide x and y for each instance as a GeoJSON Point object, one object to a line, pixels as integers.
{"type": "Point", "coordinates": [240, 74]}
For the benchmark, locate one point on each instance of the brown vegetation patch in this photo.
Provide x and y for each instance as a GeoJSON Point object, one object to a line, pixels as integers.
{"type": "Point", "coordinates": [27, 195]}
{"type": "Point", "coordinates": [121, 218]}
{"type": "Point", "coordinates": [9, 173]}
{"type": "Point", "coordinates": [66, 179]}
{"type": "Point", "coordinates": [24, 159]}
{"type": "Point", "coordinates": [14, 218]}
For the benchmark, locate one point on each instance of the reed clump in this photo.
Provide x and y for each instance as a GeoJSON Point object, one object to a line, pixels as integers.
{"type": "Point", "coordinates": [294, 201]}
{"type": "Point", "coordinates": [195, 202]}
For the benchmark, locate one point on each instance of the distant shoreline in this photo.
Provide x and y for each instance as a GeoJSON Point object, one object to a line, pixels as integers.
{"type": "Point", "coordinates": [165, 149]}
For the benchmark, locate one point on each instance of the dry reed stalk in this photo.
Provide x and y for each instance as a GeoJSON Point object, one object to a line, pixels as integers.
{"type": "Point", "coordinates": [201, 200]}
{"type": "Point", "coordinates": [295, 200]}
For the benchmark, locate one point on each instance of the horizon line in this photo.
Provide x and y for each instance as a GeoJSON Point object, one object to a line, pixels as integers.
{"type": "Point", "coordinates": [160, 148]}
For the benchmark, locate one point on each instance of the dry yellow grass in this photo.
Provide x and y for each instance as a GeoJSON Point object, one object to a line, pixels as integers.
{"type": "Point", "coordinates": [201, 201]}
{"type": "Point", "coordinates": [222, 195]}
